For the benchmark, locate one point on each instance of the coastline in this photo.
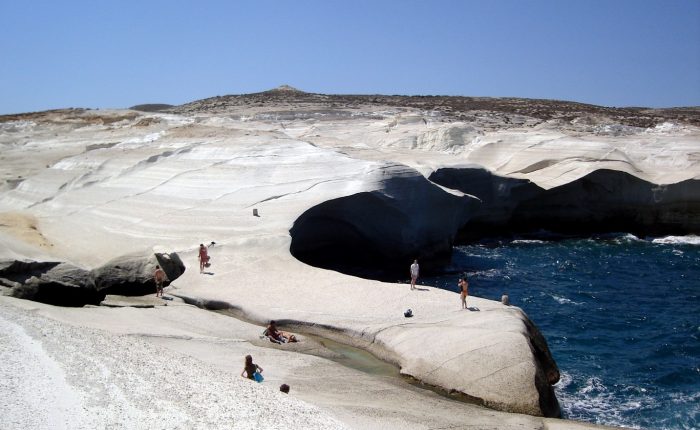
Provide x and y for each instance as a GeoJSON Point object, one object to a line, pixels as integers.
{"type": "Point", "coordinates": [179, 351]}
{"type": "Point", "coordinates": [99, 190]}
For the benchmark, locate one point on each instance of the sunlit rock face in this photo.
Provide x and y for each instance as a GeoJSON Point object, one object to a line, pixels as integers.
{"type": "Point", "coordinates": [288, 184]}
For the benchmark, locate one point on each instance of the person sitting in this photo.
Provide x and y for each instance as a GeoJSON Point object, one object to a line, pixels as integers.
{"type": "Point", "coordinates": [277, 336]}
{"type": "Point", "coordinates": [250, 368]}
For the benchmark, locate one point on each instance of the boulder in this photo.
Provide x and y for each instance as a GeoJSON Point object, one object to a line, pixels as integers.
{"type": "Point", "coordinates": [63, 284]}
{"type": "Point", "coordinates": [495, 358]}
{"type": "Point", "coordinates": [55, 283]}
{"type": "Point", "coordinates": [132, 274]}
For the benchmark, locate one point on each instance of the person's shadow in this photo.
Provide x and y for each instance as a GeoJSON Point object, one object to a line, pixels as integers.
{"type": "Point", "coordinates": [474, 309]}
{"type": "Point", "coordinates": [207, 273]}
{"type": "Point", "coordinates": [421, 289]}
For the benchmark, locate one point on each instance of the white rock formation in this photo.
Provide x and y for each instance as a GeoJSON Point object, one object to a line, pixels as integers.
{"type": "Point", "coordinates": [89, 186]}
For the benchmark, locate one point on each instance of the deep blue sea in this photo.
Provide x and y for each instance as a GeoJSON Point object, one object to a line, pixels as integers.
{"type": "Point", "coordinates": [621, 316]}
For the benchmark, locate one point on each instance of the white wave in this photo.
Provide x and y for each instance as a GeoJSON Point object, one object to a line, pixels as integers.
{"type": "Point", "coordinates": [527, 241]}
{"type": "Point", "coordinates": [565, 301]}
{"type": "Point", "coordinates": [490, 273]}
{"type": "Point", "coordinates": [593, 385]}
{"type": "Point", "coordinates": [565, 380]}
{"type": "Point", "coordinates": [595, 401]}
{"type": "Point", "coordinates": [685, 398]}
{"type": "Point", "coordinates": [678, 240]}
{"type": "Point", "coordinates": [626, 238]}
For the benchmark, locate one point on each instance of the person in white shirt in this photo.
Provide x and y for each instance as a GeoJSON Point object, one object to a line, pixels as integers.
{"type": "Point", "coordinates": [414, 273]}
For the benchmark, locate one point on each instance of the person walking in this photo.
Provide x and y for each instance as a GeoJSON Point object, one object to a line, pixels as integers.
{"type": "Point", "coordinates": [159, 277]}
{"type": "Point", "coordinates": [463, 291]}
{"type": "Point", "coordinates": [203, 257]}
{"type": "Point", "coordinates": [415, 269]}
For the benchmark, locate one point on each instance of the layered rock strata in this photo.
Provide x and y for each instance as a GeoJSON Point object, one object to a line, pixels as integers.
{"type": "Point", "coordinates": [344, 177]}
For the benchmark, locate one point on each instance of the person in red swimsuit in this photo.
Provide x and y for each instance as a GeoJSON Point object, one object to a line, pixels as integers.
{"type": "Point", "coordinates": [203, 257]}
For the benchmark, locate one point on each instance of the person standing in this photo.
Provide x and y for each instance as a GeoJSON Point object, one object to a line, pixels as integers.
{"type": "Point", "coordinates": [203, 257]}
{"type": "Point", "coordinates": [415, 269]}
{"type": "Point", "coordinates": [159, 276]}
{"type": "Point", "coordinates": [463, 291]}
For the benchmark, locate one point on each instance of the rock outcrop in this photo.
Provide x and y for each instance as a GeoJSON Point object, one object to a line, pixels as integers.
{"type": "Point", "coordinates": [600, 202]}
{"type": "Point", "coordinates": [63, 284]}
{"type": "Point", "coordinates": [54, 283]}
{"type": "Point", "coordinates": [132, 274]}
{"type": "Point", "coordinates": [383, 231]}
{"type": "Point", "coordinates": [341, 180]}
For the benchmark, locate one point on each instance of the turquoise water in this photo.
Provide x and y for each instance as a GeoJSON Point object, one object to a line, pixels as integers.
{"type": "Point", "coordinates": [621, 316]}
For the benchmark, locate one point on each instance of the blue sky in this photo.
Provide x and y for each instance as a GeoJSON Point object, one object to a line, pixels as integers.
{"type": "Point", "coordinates": [104, 54]}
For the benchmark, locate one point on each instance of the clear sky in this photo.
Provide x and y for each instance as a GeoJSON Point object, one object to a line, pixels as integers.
{"type": "Point", "coordinates": [111, 54]}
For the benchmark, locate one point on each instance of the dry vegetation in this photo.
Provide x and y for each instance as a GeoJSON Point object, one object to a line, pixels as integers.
{"type": "Point", "coordinates": [449, 106]}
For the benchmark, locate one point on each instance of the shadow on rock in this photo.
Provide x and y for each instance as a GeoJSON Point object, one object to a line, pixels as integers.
{"type": "Point", "coordinates": [63, 284]}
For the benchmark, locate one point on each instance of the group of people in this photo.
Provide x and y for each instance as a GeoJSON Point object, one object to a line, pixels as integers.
{"type": "Point", "coordinates": [277, 336]}
{"type": "Point", "coordinates": [254, 372]}
{"type": "Point", "coordinates": [462, 283]}
{"type": "Point", "coordinates": [160, 277]}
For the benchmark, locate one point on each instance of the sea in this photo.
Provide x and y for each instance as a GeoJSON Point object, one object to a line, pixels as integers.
{"type": "Point", "coordinates": [621, 316]}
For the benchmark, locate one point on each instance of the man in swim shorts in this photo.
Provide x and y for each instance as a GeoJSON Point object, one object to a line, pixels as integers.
{"type": "Point", "coordinates": [463, 291]}
{"type": "Point", "coordinates": [414, 273]}
{"type": "Point", "coordinates": [159, 276]}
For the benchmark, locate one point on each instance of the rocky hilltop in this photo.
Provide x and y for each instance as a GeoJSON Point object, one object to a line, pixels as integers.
{"type": "Point", "coordinates": [289, 184]}
{"type": "Point", "coordinates": [497, 112]}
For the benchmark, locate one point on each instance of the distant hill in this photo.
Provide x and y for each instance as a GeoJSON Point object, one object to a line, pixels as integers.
{"type": "Point", "coordinates": [151, 107]}
{"type": "Point", "coordinates": [456, 107]}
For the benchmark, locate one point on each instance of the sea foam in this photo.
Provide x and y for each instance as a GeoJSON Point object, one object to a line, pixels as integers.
{"type": "Point", "coordinates": [678, 240]}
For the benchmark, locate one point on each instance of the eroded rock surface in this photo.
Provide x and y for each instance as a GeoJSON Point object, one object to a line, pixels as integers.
{"type": "Point", "coordinates": [600, 202]}
{"type": "Point", "coordinates": [344, 172]}
{"type": "Point", "coordinates": [384, 230]}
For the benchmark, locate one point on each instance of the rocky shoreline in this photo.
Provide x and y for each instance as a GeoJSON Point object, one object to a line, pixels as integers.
{"type": "Point", "coordinates": [284, 178]}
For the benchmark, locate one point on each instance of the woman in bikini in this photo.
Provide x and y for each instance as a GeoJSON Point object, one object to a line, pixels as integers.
{"type": "Point", "coordinates": [250, 368]}
{"type": "Point", "coordinates": [203, 257]}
